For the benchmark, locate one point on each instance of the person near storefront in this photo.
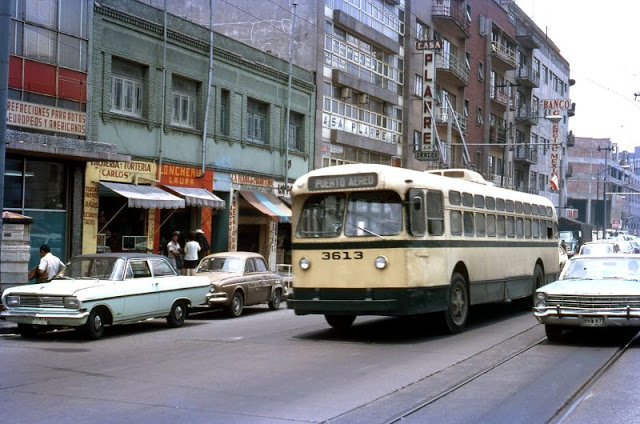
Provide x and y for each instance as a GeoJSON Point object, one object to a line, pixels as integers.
{"type": "Point", "coordinates": [191, 250]}
{"type": "Point", "coordinates": [174, 252]}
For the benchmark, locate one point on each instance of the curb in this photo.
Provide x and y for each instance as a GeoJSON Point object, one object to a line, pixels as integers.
{"type": "Point", "coordinates": [8, 327]}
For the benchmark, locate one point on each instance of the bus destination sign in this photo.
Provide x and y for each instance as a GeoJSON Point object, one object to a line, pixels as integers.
{"type": "Point", "coordinates": [340, 182]}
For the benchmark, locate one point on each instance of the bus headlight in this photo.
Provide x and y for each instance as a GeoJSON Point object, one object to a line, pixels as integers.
{"type": "Point", "coordinates": [305, 263]}
{"type": "Point", "coordinates": [381, 262]}
{"type": "Point", "coordinates": [541, 299]}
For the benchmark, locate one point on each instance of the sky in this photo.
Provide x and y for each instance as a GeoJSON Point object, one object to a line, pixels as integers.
{"type": "Point", "coordinates": [599, 39]}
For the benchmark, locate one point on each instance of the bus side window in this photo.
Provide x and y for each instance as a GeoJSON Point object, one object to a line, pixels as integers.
{"type": "Point", "coordinates": [468, 224]}
{"type": "Point", "coordinates": [455, 222]}
{"type": "Point", "coordinates": [416, 212]}
{"type": "Point", "coordinates": [435, 213]}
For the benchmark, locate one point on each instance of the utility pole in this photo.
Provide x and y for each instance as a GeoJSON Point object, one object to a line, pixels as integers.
{"type": "Point", "coordinates": [5, 24]}
{"type": "Point", "coordinates": [607, 151]}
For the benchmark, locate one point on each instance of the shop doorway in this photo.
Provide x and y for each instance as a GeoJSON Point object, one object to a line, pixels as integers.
{"type": "Point", "coordinates": [249, 239]}
{"type": "Point", "coordinates": [121, 228]}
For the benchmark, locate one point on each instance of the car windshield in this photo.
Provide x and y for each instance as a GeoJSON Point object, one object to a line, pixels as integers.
{"type": "Point", "coordinates": [101, 268]}
{"type": "Point", "coordinates": [597, 249]}
{"type": "Point", "coordinates": [227, 264]}
{"type": "Point", "coordinates": [602, 268]}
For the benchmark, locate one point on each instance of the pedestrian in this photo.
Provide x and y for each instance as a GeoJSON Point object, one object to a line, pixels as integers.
{"type": "Point", "coordinates": [174, 252]}
{"type": "Point", "coordinates": [191, 250]}
{"type": "Point", "coordinates": [204, 244]}
{"type": "Point", "coordinates": [50, 266]}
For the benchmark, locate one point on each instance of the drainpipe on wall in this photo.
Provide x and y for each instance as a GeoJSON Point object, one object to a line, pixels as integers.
{"type": "Point", "coordinates": [288, 117]}
{"type": "Point", "coordinates": [209, 81]}
{"type": "Point", "coordinates": [164, 93]}
{"type": "Point", "coordinates": [5, 24]}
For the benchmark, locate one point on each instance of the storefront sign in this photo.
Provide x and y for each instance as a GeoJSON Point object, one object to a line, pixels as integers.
{"type": "Point", "coordinates": [241, 179]}
{"type": "Point", "coordinates": [340, 123]}
{"type": "Point", "coordinates": [186, 176]}
{"type": "Point", "coordinates": [429, 82]}
{"type": "Point", "coordinates": [48, 118]}
{"type": "Point", "coordinates": [124, 171]}
{"type": "Point", "coordinates": [333, 182]}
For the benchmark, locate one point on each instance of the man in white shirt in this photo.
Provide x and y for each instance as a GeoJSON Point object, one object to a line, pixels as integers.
{"type": "Point", "coordinates": [48, 268]}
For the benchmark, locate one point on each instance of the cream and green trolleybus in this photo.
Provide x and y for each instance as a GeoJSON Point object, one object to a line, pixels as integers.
{"type": "Point", "coordinates": [380, 240]}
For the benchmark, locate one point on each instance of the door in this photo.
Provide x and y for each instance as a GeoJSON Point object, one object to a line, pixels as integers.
{"type": "Point", "coordinates": [141, 290]}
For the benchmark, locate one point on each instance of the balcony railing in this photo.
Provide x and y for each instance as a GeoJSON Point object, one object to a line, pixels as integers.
{"type": "Point", "coordinates": [504, 56]}
{"type": "Point", "coordinates": [455, 12]}
{"type": "Point", "coordinates": [526, 153]}
{"type": "Point", "coordinates": [528, 77]}
{"type": "Point", "coordinates": [497, 135]}
{"type": "Point", "coordinates": [527, 115]}
{"type": "Point", "coordinates": [442, 118]}
{"type": "Point", "coordinates": [498, 95]}
{"type": "Point", "coordinates": [453, 65]}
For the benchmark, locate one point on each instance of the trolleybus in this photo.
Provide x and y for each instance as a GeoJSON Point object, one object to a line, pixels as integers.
{"type": "Point", "coordinates": [380, 240]}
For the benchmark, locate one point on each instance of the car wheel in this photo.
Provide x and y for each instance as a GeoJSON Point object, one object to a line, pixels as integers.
{"type": "Point", "coordinates": [94, 328]}
{"type": "Point", "coordinates": [554, 332]}
{"type": "Point", "coordinates": [27, 330]}
{"type": "Point", "coordinates": [237, 305]}
{"type": "Point", "coordinates": [177, 314]}
{"type": "Point", "coordinates": [340, 322]}
{"type": "Point", "coordinates": [455, 316]}
{"type": "Point", "coordinates": [276, 299]}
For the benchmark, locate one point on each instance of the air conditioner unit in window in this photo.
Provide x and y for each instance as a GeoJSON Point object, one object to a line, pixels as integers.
{"type": "Point", "coordinates": [363, 98]}
{"type": "Point", "coordinates": [345, 93]}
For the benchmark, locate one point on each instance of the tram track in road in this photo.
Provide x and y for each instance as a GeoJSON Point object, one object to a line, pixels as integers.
{"type": "Point", "coordinates": [565, 412]}
{"type": "Point", "coordinates": [460, 384]}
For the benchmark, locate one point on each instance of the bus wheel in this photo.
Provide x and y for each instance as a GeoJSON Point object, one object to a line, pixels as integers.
{"type": "Point", "coordinates": [340, 322]}
{"type": "Point", "coordinates": [455, 316]}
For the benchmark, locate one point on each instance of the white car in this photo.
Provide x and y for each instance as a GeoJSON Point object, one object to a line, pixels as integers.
{"type": "Point", "coordinates": [105, 289]}
{"type": "Point", "coordinates": [592, 291]}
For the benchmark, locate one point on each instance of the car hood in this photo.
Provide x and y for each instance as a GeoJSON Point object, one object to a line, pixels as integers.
{"type": "Point", "coordinates": [581, 287]}
{"type": "Point", "coordinates": [219, 275]}
{"type": "Point", "coordinates": [57, 287]}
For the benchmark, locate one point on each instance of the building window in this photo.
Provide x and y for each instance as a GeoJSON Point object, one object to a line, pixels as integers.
{"type": "Point", "coordinates": [184, 102]}
{"type": "Point", "coordinates": [224, 112]}
{"type": "Point", "coordinates": [422, 31]}
{"type": "Point", "coordinates": [126, 87]}
{"type": "Point", "coordinates": [479, 118]}
{"type": "Point", "coordinates": [419, 86]}
{"type": "Point", "coordinates": [257, 121]}
{"type": "Point", "coordinates": [417, 136]}
{"type": "Point", "coordinates": [296, 131]}
{"type": "Point", "coordinates": [480, 71]}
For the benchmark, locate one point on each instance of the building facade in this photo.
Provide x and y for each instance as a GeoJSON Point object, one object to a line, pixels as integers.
{"type": "Point", "coordinates": [47, 125]}
{"type": "Point", "coordinates": [217, 149]}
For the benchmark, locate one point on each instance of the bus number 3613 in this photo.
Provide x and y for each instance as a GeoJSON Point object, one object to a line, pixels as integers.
{"type": "Point", "coordinates": [336, 256]}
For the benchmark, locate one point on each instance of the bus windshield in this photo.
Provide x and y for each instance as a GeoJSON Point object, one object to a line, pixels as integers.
{"type": "Point", "coordinates": [367, 213]}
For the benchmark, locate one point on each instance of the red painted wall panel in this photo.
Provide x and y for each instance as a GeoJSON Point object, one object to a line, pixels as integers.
{"type": "Point", "coordinates": [39, 78]}
{"type": "Point", "coordinates": [72, 85]}
{"type": "Point", "coordinates": [15, 72]}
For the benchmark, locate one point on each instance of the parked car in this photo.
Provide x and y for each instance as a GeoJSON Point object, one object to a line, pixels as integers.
{"type": "Point", "coordinates": [105, 289]}
{"type": "Point", "coordinates": [599, 248]}
{"type": "Point", "coordinates": [562, 257]}
{"type": "Point", "coordinates": [240, 279]}
{"type": "Point", "coordinates": [592, 291]}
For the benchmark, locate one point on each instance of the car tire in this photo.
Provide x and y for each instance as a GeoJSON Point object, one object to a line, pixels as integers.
{"type": "Point", "coordinates": [455, 316]}
{"type": "Point", "coordinates": [27, 330]}
{"type": "Point", "coordinates": [237, 305]}
{"type": "Point", "coordinates": [94, 328]}
{"type": "Point", "coordinates": [340, 322]}
{"type": "Point", "coordinates": [276, 300]}
{"type": "Point", "coordinates": [553, 332]}
{"type": "Point", "coordinates": [177, 314]}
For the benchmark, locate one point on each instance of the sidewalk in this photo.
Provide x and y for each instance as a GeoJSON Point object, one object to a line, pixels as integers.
{"type": "Point", "coordinates": [7, 327]}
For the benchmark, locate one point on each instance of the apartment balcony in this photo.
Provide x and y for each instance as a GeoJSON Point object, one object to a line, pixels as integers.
{"type": "Point", "coordinates": [499, 97]}
{"type": "Point", "coordinates": [527, 115]}
{"type": "Point", "coordinates": [497, 135]}
{"type": "Point", "coordinates": [451, 70]}
{"type": "Point", "coordinates": [453, 16]}
{"type": "Point", "coordinates": [525, 36]}
{"type": "Point", "coordinates": [443, 114]}
{"type": "Point", "coordinates": [524, 153]}
{"type": "Point", "coordinates": [526, 76]}
{"type": "Point", "coordinates": [503, 58]}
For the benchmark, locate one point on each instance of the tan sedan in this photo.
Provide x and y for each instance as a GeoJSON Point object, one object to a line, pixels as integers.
{"type": "Point", "coordinates": [240, 279]}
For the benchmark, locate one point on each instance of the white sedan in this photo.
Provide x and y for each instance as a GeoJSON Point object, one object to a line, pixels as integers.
{"type": "Point", "coordinates": [592, 291]}
{"type": "Point", "coordinates": [105, 289]}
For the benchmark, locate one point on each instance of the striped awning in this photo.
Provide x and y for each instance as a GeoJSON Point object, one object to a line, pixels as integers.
{"type": "Point", "coordinates": [194, 196]}
{"type": "Point", "coordinates": [145, 196]}
{"type": "Point", "coordinates": [268, 204]}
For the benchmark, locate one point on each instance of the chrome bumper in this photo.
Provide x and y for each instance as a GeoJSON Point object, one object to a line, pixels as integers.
{"type": "Point", "coordinates": [64, 319]}
{"type": "Point", "coordinates": [612, 317]}
{"type": "Point", "coordinates": [216, 298]}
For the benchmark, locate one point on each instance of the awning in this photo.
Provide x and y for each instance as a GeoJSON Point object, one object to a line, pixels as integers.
{"type": "Point", "coordinates": [145, 196]}
{"type": "Point", "coordinates": [268, 204]}
{"type": "Point", "coordinates": [194, 196]}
